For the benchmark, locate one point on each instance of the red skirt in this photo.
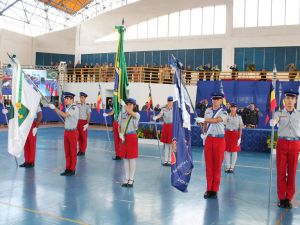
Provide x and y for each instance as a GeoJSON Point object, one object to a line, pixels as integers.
{"type": "Point", "coordinates": [129, 149]}
{"type": "Point", "coordinates": [231, 139]}
{"type": "Point", "coordinates": [166, 133]}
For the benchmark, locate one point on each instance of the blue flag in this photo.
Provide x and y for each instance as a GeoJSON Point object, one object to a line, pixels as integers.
{"type": "Point", "coordinates": [181, 159]}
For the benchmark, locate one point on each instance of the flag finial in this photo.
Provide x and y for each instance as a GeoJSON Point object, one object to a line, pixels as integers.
{"type": "Point", "coordinates": [274, 69]}
{"type": "Point", "coordinates": [123, 21]}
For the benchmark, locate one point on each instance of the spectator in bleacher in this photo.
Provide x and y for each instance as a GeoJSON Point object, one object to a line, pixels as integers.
{"type": "Point", "coordinates": [144, 108]}
{"type": "Point", "coordinates": [250, 116]}
{"type": "Point", "coordinates": [292, 72]}
{"type": "Point", "coordinates": [70, 71]}
{"type": "Point", "coordinates": [208, 71]}
{"type": "Point", "coordinates": [78, 71]}
{"type": "Point", "coordinates": [135, 76]}
{"type": "Point", "coordinates": [263, 75]}
{"type": "Point", "coordinates": [110, 72]}
{"type": "Point", "coordinates": [234, 72]}
{"type": "Point", "coordinates": [188, 75]}
{"type": "Point", "coordinates": [85, 72]}
{"type": "Point", "coordinates": [202, 106]}
{"type": "Point", "coordinates": [104, 72]}
{"type": "Point", "coordinates": [201, 72]}
{"type": "Point", "coordinates": [216, 71]}
{"type": "Point", "coordinates": [97, 72]}
{"type": "Point", "coordinates": [166, 77]}
{"type": "Point", "coordinates": [147, 71]}
{"type": "Point", "coordinates": [155, 70]}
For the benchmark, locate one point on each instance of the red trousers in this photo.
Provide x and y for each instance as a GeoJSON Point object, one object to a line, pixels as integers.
{"type": "Point", "coordinates": [117, 140]}
{"type": "Point", "coordinates": [30, 146]}
{"type": "Point", "coordinates": [214, 155]}
{"type": "Point", "coordinates": [70, 143]}
{"type": "Point", "coordinates": [287, 153]}
{"type": "Point", "coordinates": [82, 135]}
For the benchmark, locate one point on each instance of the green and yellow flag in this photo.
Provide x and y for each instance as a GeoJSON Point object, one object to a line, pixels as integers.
{"type": "Point", "coordinates": [24, 105]}
{"type": "Point", "coordinates": [121, 77]}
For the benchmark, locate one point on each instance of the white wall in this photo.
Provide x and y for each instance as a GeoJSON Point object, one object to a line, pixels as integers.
{"type": "Point", "coordinates": [139, 91]}
{"type": "Point", "coordinates": [18, 44]}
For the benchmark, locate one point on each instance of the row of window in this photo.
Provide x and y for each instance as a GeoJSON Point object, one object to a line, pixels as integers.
{"type": "Point", "coordinates": [198, 21]}
{"type": "Point", "coordinates": [254, 13]}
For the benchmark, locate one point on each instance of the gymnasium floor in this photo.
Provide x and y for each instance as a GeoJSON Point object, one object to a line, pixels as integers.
{"type": "Point", "coordinates": [94, 196]}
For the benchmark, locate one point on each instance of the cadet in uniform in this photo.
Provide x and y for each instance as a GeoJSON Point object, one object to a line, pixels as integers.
{"type": "Point", "coordinates": [116, 136]}
{"type": "Point", "coordinates": [70, 135]}
{"type": "Point", "coordinates": [128, 124]}
{"type": "Point", "coordinates": [166, 133]}
{"type": "Point", "coordinates": [83, 123]}
{"type": "Point", "coordinates": [214, 128]}
{"type": "Point", "coordinates": [233, 135]}
{"type": "Point", "coordinates": [287, 150]}
{"type": "Point", "coordinates": [30, 144]}
{"type": "Point", "coordinates": [250, 116]}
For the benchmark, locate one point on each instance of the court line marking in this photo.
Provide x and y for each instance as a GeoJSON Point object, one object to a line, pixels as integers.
{"type": "Point", "coordinates": [44, 214]}
{"type": "Point", "coordinates": [283, 214]}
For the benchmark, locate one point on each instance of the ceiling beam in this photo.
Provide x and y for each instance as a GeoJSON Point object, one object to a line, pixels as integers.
{"type": "Point", "coordinates": [3, 10]}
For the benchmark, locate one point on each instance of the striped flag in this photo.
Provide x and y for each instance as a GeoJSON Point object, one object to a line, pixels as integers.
{"type": "Point", "coordinates": [99, 101]}
{"type": "Point", "coordinates": [271, 104]}
{"type": "Point", "coordinates": [150, 103]}
{"type": "Point", "coordinates": [121, 77]}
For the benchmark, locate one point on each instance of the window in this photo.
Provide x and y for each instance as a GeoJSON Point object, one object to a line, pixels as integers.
{"type": "Point", "coordinates": [152, 28]}
{"type": "Point", "coordinates": [220, 19]}
{"type": "Point", "coordinates": [142, 30]}
{"type": "Point", "coordinates": [251, 13]}
{"type": "Point", "coordinates": [208, 21]}
{"type": "Point", "coordinates": [292, 12]}
{"type": "Point", "coordinates": [185, 23]}
{"type": "Point", "coordinates": [163, 26]}
{"type": "Point", "coordinates": [238, 13]}
{"type": "Point", "coordinates": [174, 24]}
{"type": "Point", "coordinates": [131, 32]}
{"type": "Point", "coordinates": [278, 11]}
{"type": "Point", "coordinates": [264, 12]}
{"type": "Point", "coordinates": [196, 21]}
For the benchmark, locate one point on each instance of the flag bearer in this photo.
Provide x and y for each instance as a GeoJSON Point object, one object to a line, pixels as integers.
{"type": "Point", "coordinates": [233, 137]}
{"type": "Point", "coordinates": [83, 123]}
{"type": "Point", "coordinates": [214, 121]}
{"type": "Point", "coordinates": [128, 124]}
{"type": "Point", "coordinates": [70, 135]}
{"type": "Point", "coordinates": [117, 140]}
{"type": "Point", "coordinates": [287, 150]}
{"type": "Point", "coordinates": [166, 133]}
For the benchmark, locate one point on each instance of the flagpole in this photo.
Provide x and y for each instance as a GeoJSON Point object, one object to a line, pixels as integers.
{"type": "Point", "coordinates": [272, 140]}
{"type": "Point", "coordinates": [155, 124]}
{"type": "Point", "coordinates": [107, 132]}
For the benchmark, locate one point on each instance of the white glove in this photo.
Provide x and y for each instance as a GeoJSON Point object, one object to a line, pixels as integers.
{"type": "Point", "coordinates": [200, 120]}
{"type": "Point", "coordinates": [239, 142]}
{"type": "Point", "coordinates": [85, 127]}
{"type": "Point", "coordinates": [121, 136]}
{"type": "Point", "coordinates": [154, 118]}
{"type": "Point", "coordinates": [4, 111]}
{"type": "Point", "coordinates": [105, 114]}
{"type": "Point", "coordinates": [122, 103]}
{"type": "Point", "coordinates": [51, 106]}
{"type": "Point", "coordinates": [272, 123]}
{"type": "Point", "coordinates": [34, 131]}
{"type": "Point", "coordinates": [203, 136]}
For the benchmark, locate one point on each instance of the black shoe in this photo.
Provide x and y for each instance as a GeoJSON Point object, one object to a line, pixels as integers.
{"type": "Point", "coordinates": [117, 158]}
{"type": "Point", "coordinates": [165, 164]}
{"type": "Point", "coordinates": [30, 165]}
{"type": "Point", "coordinates": [79, 153]}
{"type": "Point", "coordinates": [125, 184]}
{"type": "Point", "coordinates": [65, 173]}
{"type": "Point", "coordinates": [213, 194]}
{"type": "Point", "coordinates": [207, 195]}
{"type": "Point", "coordinates": [231, 171]}
{"type": "Point", "coordinates": [227, 171]}
{"type": "Point", "coordinates": [130, 184]}
{"type": "Point", "coordinates": [288, 204]}
{"type": "Point", "coordinates": [169, 164]}
{"type": "Point", "coordinates": [24, 165]}
{"type": "Point", "coordinates": [281, 204]}
{"type": "Point", "coordinates": [71, 173]}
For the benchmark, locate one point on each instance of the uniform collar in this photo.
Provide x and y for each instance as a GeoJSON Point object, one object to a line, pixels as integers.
{"type": "Point", "coordinates": [288, 111]}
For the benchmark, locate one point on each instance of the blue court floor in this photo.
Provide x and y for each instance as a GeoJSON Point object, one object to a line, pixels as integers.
{"type": "Point", "coordinates": [94, 196]}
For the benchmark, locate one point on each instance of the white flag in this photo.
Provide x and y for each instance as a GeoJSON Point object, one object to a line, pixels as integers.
{"type": "Point", "coordinates": [25, 101]}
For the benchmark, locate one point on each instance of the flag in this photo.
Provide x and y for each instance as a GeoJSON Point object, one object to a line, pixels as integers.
{"type": "Point", "coordinates": [150, 103]}
{"type": "Point", "coordinates": [121, 78]}
{"type": "Point", "coordinates": [62, 101]}
{"type": "Point", "coordinates": [25, 101]}
{"type": "Point", "coordinates": [222, 91]}
{"type": "Point", "coordinates": [298, 100]}
{"type": "Point", "coordinates": [181, 158]}
{"type": "Point", "coordinates": [271, 104]}
{"type": "Point", "coordinates": [99, 101]}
